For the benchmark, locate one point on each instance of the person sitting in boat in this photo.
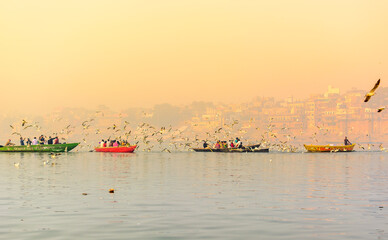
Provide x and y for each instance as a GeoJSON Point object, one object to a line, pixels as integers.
{"type": "Point", "coordinates": [41, 140]}
{"type": "Point", "coordinates": [217, 145]}
{"type": "Point", "coordinates": [56, 140]}
{"type": "Point", "coordinates": [115, 144]}
{"type": "Point", "coordinates": [105, 144]}
{"type": "Point", "coordinates": [205, 144]}
{"type": "Point", "coordinates": [28, 142]}
{"type": "Point", "coordinates": [239, 143]}
{"type": "Point", "coordinates": [347, 142]}
{"type": "Point", "coordinates": [231, 145]}
{"type": "Point", "coordinates": [21, 141]}
{"type": "Point", "coordinates": [102, 143]}
{"type": "Point", "coordinates": [9, 143]}
{"type": "Point", "coordinates": [34, 141]}
{"type": "Point", "coordinates": [50, 140]}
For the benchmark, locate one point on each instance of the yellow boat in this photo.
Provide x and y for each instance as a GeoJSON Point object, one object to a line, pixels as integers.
{"type": "Point", "coordinates": [329, 148]}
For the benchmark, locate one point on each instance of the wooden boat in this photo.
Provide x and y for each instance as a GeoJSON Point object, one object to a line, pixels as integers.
{"type": "Point", "coordinates": [120, 149]}
{"type": "Point", "coordinates": [211, 149]}
{"type": "Point", "coordinates": [250, 148]}
{"type": "Point", "coordinates": [329, 148]}
{"type": "Point", "coordinates": [66, 147]}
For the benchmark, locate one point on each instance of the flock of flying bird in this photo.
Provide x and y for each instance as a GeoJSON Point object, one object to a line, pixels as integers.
{"type": "Point", "coordinates": [168, 139]}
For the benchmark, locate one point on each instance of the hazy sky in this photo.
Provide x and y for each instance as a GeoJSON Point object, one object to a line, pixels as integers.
{"type": "Point", "coordinates": [140, 53]}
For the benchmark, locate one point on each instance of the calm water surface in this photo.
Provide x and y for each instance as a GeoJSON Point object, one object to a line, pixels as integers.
{"type": "Point", "coordinates": [194, 196]}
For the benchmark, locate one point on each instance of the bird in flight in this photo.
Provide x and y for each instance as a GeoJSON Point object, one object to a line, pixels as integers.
{"type": "Point", "coordinates": [372, 92]}
{"type": "Point", "coordinates": [380, 109]}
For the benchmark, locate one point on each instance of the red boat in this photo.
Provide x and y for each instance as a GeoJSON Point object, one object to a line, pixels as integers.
{"type": "Point", "coordinates": [128, 149]}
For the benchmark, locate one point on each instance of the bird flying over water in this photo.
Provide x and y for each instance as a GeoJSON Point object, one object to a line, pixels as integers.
{"type": "Point", "coordinates": [372, 91]}
{"type": "Point", "coordinates": [380, 109]}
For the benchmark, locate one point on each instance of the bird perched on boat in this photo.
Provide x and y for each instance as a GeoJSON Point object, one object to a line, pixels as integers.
{"type": "Point", "coordinates": [372, 91]}
{"type": "Point", "coordinates": [380, 109]}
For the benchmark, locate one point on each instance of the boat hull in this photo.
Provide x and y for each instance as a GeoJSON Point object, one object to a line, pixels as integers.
{"type": "Point", "coordinates": [251, 148]}
{"type": "Point", "coordinates": [129, 149]}
{"type": "Point", "coordinates": [40, 148]}
{"type": "Point", "coordinates": [329, 148]}
{"type": "Point", "coordinates": [210, 149]}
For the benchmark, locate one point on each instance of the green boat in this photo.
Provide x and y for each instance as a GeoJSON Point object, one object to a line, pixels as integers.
{"type": "Point", "coordinates": [67, 147]}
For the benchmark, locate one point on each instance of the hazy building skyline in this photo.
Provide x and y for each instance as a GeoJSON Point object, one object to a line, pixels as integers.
{"type": "Point", "coordinates": [141, 53]}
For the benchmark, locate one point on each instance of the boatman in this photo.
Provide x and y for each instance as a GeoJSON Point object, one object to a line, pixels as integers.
{"type": "Point", "coordinates": [347, 142]}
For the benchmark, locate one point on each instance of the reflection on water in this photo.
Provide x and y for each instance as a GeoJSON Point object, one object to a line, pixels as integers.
{"type": "Point", "coordinates": [194, 195]}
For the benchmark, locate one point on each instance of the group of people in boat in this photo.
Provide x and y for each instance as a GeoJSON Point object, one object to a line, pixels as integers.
{"type": "Point", "coordinates": [112, 143]}
{"type": "Point", "coordinates": [40, 141]}
{"type": "Point", "coordinates": [224, 144]}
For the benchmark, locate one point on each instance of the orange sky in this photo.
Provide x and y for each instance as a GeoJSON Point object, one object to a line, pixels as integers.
{"type": "Point", "coordinates": [126, 53]}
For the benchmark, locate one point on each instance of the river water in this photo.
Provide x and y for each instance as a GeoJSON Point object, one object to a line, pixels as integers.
{"type": "Point", "coordinates": [194, 196]}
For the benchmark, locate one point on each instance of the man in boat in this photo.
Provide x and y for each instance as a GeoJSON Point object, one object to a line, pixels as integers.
{"type": "Point", "coordinates": [21, 141]}
{"type": "Point", "coordinates": [217, 145]}
{"type": "Point", "coordinates": [28, 141]}
{"type": "Point", "coordinates": [347, 142]}
{"type": "Point", "coordinates": [41, 140]}
{"type": "Point", "coordinates": [205, 144]}
{"type": "Point", "coordinates": [34, 141]}
{"type": "Point", "coordinates": [56, 140]}
{"type": "Point", "coordinates": [8, 143]}
{"type": "Point", "coordinates": [50, 140]}
{"type": "Point", "coordinates": [239, 143]}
